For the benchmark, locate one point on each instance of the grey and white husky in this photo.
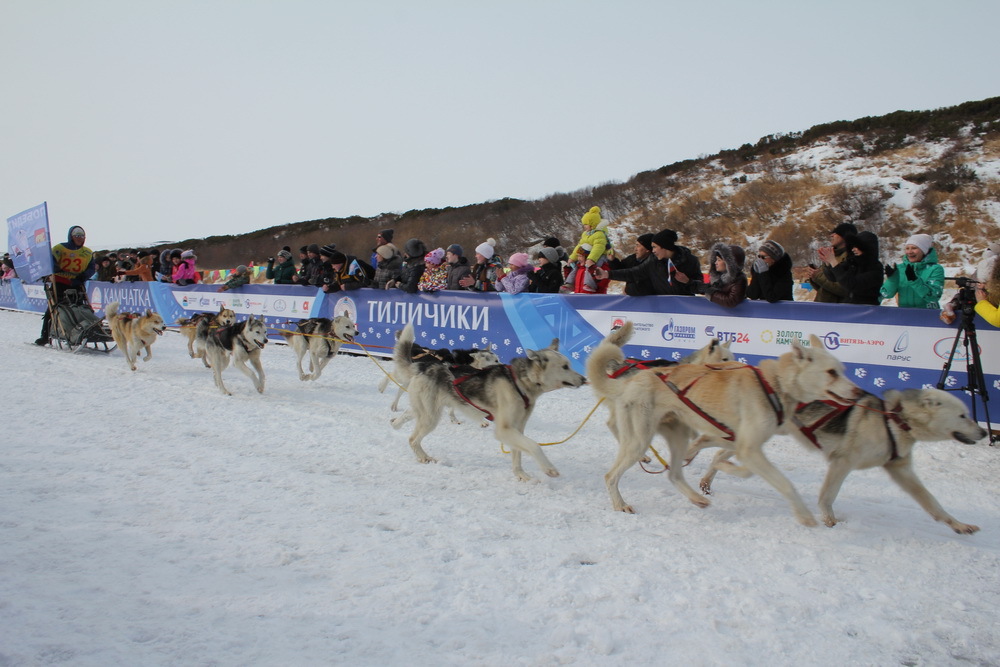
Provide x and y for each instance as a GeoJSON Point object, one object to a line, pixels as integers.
{"type": "Point", "coordinates": [242, 342]}
{"type": "Point", "coordinates": [505, 393]}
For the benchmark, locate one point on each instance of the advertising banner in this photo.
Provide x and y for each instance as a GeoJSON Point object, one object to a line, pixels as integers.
{"type": "Point", "coordinates": [28, 243]}
{"type": "Point", "coordinates": [881, 347]}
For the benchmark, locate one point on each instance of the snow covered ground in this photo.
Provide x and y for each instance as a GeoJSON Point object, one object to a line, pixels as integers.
{"type": "Point", "coordinates": [147, 519]}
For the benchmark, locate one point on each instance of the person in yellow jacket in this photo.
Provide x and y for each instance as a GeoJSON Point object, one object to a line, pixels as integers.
{"type": "Point", "coordinates": [73, 264]}
{"type": "Point", "coordinates": [594, 235]}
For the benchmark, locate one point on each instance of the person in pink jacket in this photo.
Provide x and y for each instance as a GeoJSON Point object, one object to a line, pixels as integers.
{"type": "Point", "coordinates": [183, 272]}
{"type": "Point", "coordinates": [514, 279]}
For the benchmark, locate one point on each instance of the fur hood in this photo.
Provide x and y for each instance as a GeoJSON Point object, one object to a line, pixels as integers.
{"type": "Point", "coordinates": [733, 256]}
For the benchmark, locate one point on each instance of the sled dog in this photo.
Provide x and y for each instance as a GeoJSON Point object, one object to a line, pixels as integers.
{"type": "Point", "coordinates": [471, 357]}
{"type": "Point", "coordinates": [189, 327]}
{"type": "Point", "coordinates": [321, 338]}
{"type": "Point", "coordinates": [877, 432]}
{"type": "Point", "coordinates": [731, 405]}
{"type": "Point", "coordinates": [134, 332]}
{"type": "Point", "coordinates": [242, 342]}
{"type": "Point", "coordinates": [607, 358]}
{"type": "Point", "coordinates": [507, 394]}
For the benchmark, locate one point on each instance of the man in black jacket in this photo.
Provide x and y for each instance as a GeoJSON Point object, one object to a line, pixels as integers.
{"type": "Point", "coordinates": [673, 270]}
{"type": "Point", "coordinates": [640, 285]}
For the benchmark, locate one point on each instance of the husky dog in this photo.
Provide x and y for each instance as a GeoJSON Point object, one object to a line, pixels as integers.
{"type": "Point", "coordinates": [505, 393]}
{"type": "Point", "coordinates": [608, 356]}
{"type": "Point", "coordinates": [242, 341]}
{"type": "Point", "coordinates": [877, 432]}
{"type": "Point", "coordinates": [134, 332]}
{"type": "Point", "coordinates": [321, 338]}
{"type": "Point", "coordinates": [471, 357]}
{"type": "Point", "coordinates": [189, 327]}
{"type": "Point", "coordinates": [732, 405]}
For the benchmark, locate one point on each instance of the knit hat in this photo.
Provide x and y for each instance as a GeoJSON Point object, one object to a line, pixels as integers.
{"type": "Point", "coordinates": [176, 252]}
{"type": "Point", "coordinates": [328, 250]}
{"type": "Point", "coordinates": [551, 242]}
{"type": "Point", "coordinates": [285, 253]}
{"type": "Point", "coordinates": [142, 253]}
{"type": "Point", "coordinates": [845, 229]}
{"type": "Point", "coordinates": [304, 249]}
{"type": "Point", "coordinates": [455, 249]}
{"type": "Point", "coordinates": [313, 248]}
{"type": "Point", "coordinates": [592, 218]}
{"type": "Point", "coordinates": [666, 239]}
{"type": "Point", "coordinates": [435, 256]}
{"type": "Point", "coordinates": [773, 249]}
{"type": "Point", "coordinates": [336, 257]}
{"type": "Point", "coordinates": [386, 234]}
{"type": "Point", "coordinates": [519, 259]}
{"type": "Point", "coordinates": [385, 251]}
{"type": "Point", "coordinates": [922, 241]}
{"type": "Point", "coordinates": [242, 268]}
{"type": "Point", "coordinates": [188, 254]}
{"type": "Point", "coordinates": [550, 254]}
{"type": "Point", "coordinates": [75, 229]}
{"type": "Point", "coordinates": [646, 241]}
{"type": "Point", "coordinates": [485, 249]}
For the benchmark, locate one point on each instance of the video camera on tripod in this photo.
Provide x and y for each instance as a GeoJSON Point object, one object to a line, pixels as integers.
{"type": "Point", "coordinates": [966, 336]}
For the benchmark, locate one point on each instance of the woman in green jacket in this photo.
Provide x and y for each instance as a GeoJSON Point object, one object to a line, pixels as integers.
{"type": "Point", "coordinates": [917, 281]}
{"type": "Point", "coordinates": [282, 272]}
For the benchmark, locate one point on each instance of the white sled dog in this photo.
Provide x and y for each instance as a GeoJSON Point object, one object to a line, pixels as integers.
{"type": "Point", "coordinates": [732, 405]}
{"type": "Point", "coordinates": [189, 327]}
{"type": "Point", "coordinates": [321, 338]}
{"type": "Point", "coordinates": [505, 393]}
{"type": "Point", "coordinates": [468, 357]}
{"type": "Point", "coordinates": [607, 358]}
{"type": "Point", "coordinates": [242, 342]}
{"type": "Point", "coordinates": [878, 432]}
{"type": "Point", "coordinates": [134, 332]}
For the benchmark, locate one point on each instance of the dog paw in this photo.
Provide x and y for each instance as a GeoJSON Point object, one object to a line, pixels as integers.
{"type": "Point", "coordinates": [963, 528]}
{"type": "Point", "coordinates": [706, 488]}
{"type": "Point", "coordinates": [807, 520]}
{"type": "Point", "coordinates": [627, 509]}
{"type": "Point", "coordinates": [701, 502]}
{"type": "Point", "coordinates": [551, 472]}
{"type": "Point", "coordinates": [427, 459]}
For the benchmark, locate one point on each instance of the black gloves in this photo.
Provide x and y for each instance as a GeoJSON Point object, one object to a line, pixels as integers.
{"type": "Point", "coordinates": [890, 270]}
{"type": "Point", "coordinates": [911, 273]}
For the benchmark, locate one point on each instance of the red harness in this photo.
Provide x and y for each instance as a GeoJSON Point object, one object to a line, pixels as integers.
{"type": "Point", "coordinates": [838, 409]}
{"type": "Point", "coordinates": [772, 397]}
{"type": "Point", "coordinates": [457, 382]}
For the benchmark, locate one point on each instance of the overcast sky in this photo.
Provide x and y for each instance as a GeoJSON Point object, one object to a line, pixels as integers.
{"type": "Point", "coordinates": [146, 121]}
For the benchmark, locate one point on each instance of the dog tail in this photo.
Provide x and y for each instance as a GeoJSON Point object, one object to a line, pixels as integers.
{"type": "Point", "coordinates": [112, 310]}
{"type": "Point", "coordinates": [608, 353]}
{"type": "Point", "coordinates": [402, 355]}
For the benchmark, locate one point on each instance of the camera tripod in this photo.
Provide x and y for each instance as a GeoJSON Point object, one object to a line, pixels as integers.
{"type": "Point", "coordinates": [975, 380]}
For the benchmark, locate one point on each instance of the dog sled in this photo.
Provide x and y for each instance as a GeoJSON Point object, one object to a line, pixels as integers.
{"type": "Point", "coordinates": [75, 326]}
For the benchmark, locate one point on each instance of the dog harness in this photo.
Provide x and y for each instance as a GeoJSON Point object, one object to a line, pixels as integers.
{"type": "Point", "coordinates": [637, 364]}
{"type": "Point", "coordinates": [457, 382]}
{"type": "Point", "coordinates": [839, 409]}
{"type": "Point", "coordinates": [769, 392]}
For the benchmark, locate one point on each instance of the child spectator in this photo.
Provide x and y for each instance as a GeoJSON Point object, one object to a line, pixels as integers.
{"type": "Point", "coordinates": [514, 279]}
{"type": "Point", "coordinates": [435, 276]}
{"type": "Point", "coordinates": [548, 278]}
{"type": "Point", "coordinates": [483, 274]}
{"type": "Point", "coordinates": [239, 278]}
{"type": "Point", "coordinates": [918, 280]}
{"type": "Point", "coordinates": [184, 272]}
{"type": "Point", "coordinates": [458, 266]}
{"type": "Point", "coordinates": [771, 274]}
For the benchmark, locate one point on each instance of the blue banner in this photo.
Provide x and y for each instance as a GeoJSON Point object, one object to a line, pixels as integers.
{"type": "Point", "coordinates": [881, 347]}
{"type": "Point", "coordinates": [28, 243]}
